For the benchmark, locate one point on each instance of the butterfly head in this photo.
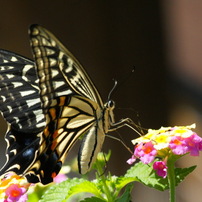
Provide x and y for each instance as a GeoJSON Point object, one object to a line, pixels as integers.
{"type": "Point", "coordinates": [110, 104]}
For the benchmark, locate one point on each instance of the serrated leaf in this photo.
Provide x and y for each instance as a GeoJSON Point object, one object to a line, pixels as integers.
{"type": "Point", "coordinates": [181, 173]}
{"type": "Point", "coordinates": [123, 181]}
{"type": "Point", "coordinates": [58, 192]}
{"type": "Point", "coordinates": [146, 175]}
{"type": "Point", "coordinates": [93, 199]}
{"type": "Point", "coordinates": [126, 195]}
{"type": "Point", "coordinates": [85, 186]}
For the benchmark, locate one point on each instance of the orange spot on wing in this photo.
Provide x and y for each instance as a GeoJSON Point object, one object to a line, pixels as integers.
{"type": "Point", "coordinates": [55, 134]}
{"type": "Point", "coordinates": [53, 145]}
{"type": "Point", "coordinates": [52, 112]}
{"type": "Point", "coordinates": [46, 131]}
{"type": "Point", "coordinates": [62, 101]}
{"type": "Point", "coordinates": [54, 142]}
{"type": "Point", "coordinates": [53, 174]}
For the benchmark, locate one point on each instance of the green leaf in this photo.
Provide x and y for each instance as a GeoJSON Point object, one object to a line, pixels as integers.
{"type": "Point", "coordinates": [33, 197]}
{"type": "Point", "coordinates": [123, 181]}
{"type": "Point", "coordinates": [115, 184]}
{"type": "Point", "coordinates": [181, 173]}
{"type": "Point", "coordinates": [101, 160]}
{"type": "Point", "coordinates": [38, 191]}
{"type": "Point", "coordinates": [58, 192]}
{"type": "Point", "coordinates": [85, 186]}
{"type": "Point", "coordinates": [146, 175]}
{"type": "Point", "coordinates": [126, 195]}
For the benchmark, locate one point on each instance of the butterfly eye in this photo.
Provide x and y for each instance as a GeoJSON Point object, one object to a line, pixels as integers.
{"type": "Point", "coordinates": [111, 104]}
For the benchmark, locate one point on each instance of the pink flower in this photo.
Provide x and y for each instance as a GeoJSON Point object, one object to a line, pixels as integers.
{"type": "Point", "coordinates": [59, 178]}
{"type": "Point", "coordinates": [131, 160]}
{"type": "Point", "coordinates": [146, 152]}
{"type": "Point", "coordinates": [178, 145]}
{"type": "Point", "coordinates": [194, 143]}
{"type": "Point", "coordinates": [181, 145]}
{"type": "Point", "coordinates": [161, 168]}
{"type": "Point", "coordinates": [16, 193]}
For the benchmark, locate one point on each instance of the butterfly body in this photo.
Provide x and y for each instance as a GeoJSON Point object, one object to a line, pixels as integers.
{"type": "Point", "coordinates": [49, 104]}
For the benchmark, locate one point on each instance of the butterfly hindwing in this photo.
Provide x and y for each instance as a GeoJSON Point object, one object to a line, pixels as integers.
{"type": "Point", "coordinates": [21, 107]}
{"type": "Point", "coordinates": [19, 93]}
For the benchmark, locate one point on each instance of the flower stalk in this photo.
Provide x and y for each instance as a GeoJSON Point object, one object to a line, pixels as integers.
{"type": "Point", "coordinates": [171, 178]}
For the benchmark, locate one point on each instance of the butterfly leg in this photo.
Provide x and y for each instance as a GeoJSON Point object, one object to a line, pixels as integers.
{"type": "Point", "coordinates": [124, 122]}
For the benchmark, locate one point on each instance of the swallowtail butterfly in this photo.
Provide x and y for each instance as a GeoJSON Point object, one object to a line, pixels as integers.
{"type": "Point", "coordinates": [48, 104]}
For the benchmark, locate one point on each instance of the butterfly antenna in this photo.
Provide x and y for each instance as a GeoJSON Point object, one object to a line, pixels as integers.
{"type": "Point", "coordinates": [113, 89]}
{"type": "Point", "coordinates": [122, 81]}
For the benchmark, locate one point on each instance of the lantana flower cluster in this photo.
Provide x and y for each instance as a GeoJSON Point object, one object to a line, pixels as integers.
{"type": "Point", "coordinates": [13, 188]}
{"type": "Point", "coordinates": [165, 143]}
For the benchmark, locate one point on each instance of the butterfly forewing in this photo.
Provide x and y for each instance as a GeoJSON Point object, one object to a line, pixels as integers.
{"type": "Point", "coordinates": [58, 69]}
{"type": "Point", "coordinates": [70, 103]}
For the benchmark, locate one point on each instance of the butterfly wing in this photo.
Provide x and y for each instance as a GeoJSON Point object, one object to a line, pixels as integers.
{"type": "Point", "coordinates": [58, 68]}
{"type": "Point", "coordinates": [48, 109]}
{"type": "Point", "coordinates": [71, 104]}
{"type": "Point", "coordinates": [20, 105]}
{"type": "Point", "coordinates": [19, 93]}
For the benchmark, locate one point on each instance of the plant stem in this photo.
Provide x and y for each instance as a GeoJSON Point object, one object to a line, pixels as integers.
{"type": "Point", "coordinates": [171, 178]}
{"type": "Point", "coordinates": [100, 175]}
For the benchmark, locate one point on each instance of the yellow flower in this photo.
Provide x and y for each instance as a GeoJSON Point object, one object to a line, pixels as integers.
{"type": "Point", "coordinates": [161, 138]}
{"type": "Point", "coordinates": [10, 179]}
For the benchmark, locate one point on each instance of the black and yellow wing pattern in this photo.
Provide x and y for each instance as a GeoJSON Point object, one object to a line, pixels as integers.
{"type": "Point", "coordinates": [49, 103]}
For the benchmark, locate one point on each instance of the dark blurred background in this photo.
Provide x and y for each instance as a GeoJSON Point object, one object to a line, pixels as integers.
{"type": "Point", "coordinates": [162, 39]}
